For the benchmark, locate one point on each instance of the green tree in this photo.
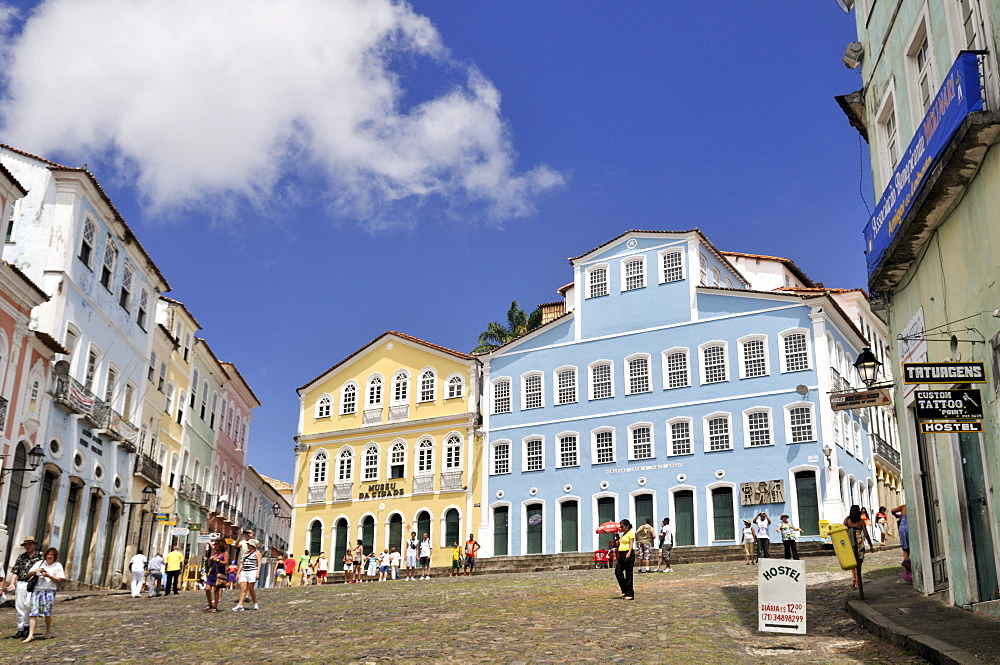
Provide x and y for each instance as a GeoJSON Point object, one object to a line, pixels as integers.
{"type": "Point", "coordinates": [519, 323]}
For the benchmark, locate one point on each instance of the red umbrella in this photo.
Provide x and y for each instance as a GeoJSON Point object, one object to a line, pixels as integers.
{"type": "Point", "coordinates": [609, 527]}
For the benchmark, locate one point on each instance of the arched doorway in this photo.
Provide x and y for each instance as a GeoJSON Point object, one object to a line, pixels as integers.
{"type": "Point", "coordinates": [501, 516]}
{"type": "Point", "coordinates": [315, 538]}
{"type": "Point", "coordinates": [452, 528]}
{"type": "Point", "coordinates": [533, 528]}
{"type": "Point", "coordinates": [684, 514]}
{"type": "Point", "coordinates": [424, 525]}
{"type": "Point", "coordinates": [368, 533]}
{"type": "Point", "coordinates": [396, 531]}
{"type": "Point", "coordinates": [110, 534]}
{"type": "Point", "coordinates": [569, 520]}
{"type": "Point", "coordinates": [16, 490]}
{"type": "Point", "coordinates": [339, 543]}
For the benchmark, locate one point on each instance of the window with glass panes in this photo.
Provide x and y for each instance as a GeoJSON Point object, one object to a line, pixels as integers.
{"type": "Point", "coordinates": [796, 352]}
{"type": "Point", "coordinates": [427, 386]}
{"type": "Point", "coordinates": [323, 408]}
{"type": "Point", "coordinates": [569, 450]}
{"type": "Point", "coordinates": [371, 463]}
{"type": "Point", "coordinates": [922, 60]}
{"type": "Point", "coordinates": [501, 458]}
{"type": "Point", "coordinates": [703, 269]}
{"type": "Point", "coordinates": [673, 266]}
{"type": "Point", "coordinates": [642, 443]}
{"type": "Point", "coordinates": [400, 388]}
{"type": "Point", "coordinates": [533, 391]}
{"type": "Point", "coordinates": [425, 457]}
{"type": "Point", "coordinates": [754, 363]}
{"type": "Point", "coordinates": [350, 402]}
{"type": "Point", "coordinates": [600, 380]}
{"type": "Point", "coordinates": [598, 282]}
{"type": "Point", "coordinates": [345, 465]}
{"type": "Point", "coordinates": [715, 363]}
{"type": "Point", "coordinates": [635, 274]}
{"type": "Point", "coordinates": [125, 296]}
{"type": "Point", "coordinates": [759, 428]}
{"type": "Point", "coordinates": [718, 434]}
{"type": "Point", "coordinates": [800, 419]}
{"type": "Point", "coordinates": [604, 445]}
{"type": "Point", "coordinates": [319, 469]}
{"type": "Point", "coordinates": [501, 397]}
{"type": "Point", "coordinates": [397, 460]}
{"type": "Point", "coordinates": [678, 375]}
{"type": "Point", "coordinates": [680, 438]}
{"type": "Point", "coordinates": [453, 453]}
{"type": "Point", "coordinates": [110, 259]}
{"type": "Point", "coordinates": [375, 391]}
{"type": "Point", "coordinates": [454, 387]}
{"type": "Point", "coordinates": [143, 308]}
{"type": "Point", "coordinates": [87, 242]}
{"type": "Point", "coordinates": [567, 386]}
{"type": "Point", "coordinates": [638, 375]}
{"type": "Point", "coordinates": [533, 455]}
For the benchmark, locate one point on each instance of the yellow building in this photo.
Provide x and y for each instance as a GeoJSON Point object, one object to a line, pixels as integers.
{"type": "Point", "coordinates": [388, 443]}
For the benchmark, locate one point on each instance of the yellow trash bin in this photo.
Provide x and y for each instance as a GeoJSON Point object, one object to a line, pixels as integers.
{"type": "Point", "coordinates": [841, 538]}
{"type": "Point", "coordinates": [824, 529]}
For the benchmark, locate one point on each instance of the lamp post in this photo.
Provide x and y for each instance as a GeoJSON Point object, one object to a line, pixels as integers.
{"type": "Point", "coordinates": [867, 366]}
{"type": "Point", "coordinates": [35, 456]}
{"type": "Point", "coordinates": [276, 511]}
{"type": "Point", "coordinates": [147, 494]}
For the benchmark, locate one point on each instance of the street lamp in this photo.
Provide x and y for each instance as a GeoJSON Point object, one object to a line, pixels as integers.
{"type": "Point", "coordinates": [277, 513]}
{"type": "Point", "coordinates": [35, 456]}
{"type": "Point", "coordinates": [827, 452]}
{"type": "Point", "coordinates": [147, 494]}
{"type": "Point", "coordinates": [868, 367]}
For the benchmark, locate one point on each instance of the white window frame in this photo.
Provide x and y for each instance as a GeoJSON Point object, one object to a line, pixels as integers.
{"type": "Point", "coordinates": [593, 445]}
{"type": "Point", "coordinates": [527, 459]}
{"type": "Point", "coordinates": [425, 443]}
{"type": "Point", "coordinates": [366, 476]}
{"type": "Point", "coordinates": [716, 276]}
{"type": "Point", "coordinates": [858, 444]}
{"type": "Point", "coordinates": [627, 365]}
{"type": "Point", "coordinates": [701, 360]}
{"type": "Point", "coordinates": [369, 404]}
{"type": "Point", "coordinates": [631, 441]}
{"type": "Point", "coordinates": [524, 390]}
{"type": "Point", "coordinates": [914, 73]}
{"type": "Point", "coordinates": [666, 367]}
{"type": "Point", "coordinates": [702, 269]}
{"type": "Point", "coordinates": [495, 459]}
{"type": "Point", "coordinates": [324, 406]}
{"type": "Point", "coordinates": [788, 422]}
{"type": "Point", "coordinates": [400, 383]}
{"type": "Point", "coordinates": [559, 449]}
{"type": "Point", "coordinates": [707, 431]}
{"type": "Point", "coordinates": [428, 377]}
{"type": "Point", "coordinates": [90, 226]}
{"type": "Point", "coordinates": [742, 359]}
{"type": "Point", "coordinates": [345, 460]}
{"type": "Point", "coordinates": [394, 447]}
{"type": "Point", "coordinates": [710, 509]}
{"type": "Point", "coordinates": [455, 380]}
{"type": "Point", "coordinates": [661, 263]}
{"type": "Point", "coordinates": [493, 393]}
{"type": "Point", "coordinates": [590, 378]}
{"type": "Point", "coordinates": [671, 450]}
{"type": "Point", "coordinates": [746, 426]}
{"type": "Point", "coordinates": [889, 148]}
{"type": "Point", "coordinates": [453, 460]}
{"type": "Point", "coordinates": [783, 355]}
{"type": "Point", "coordinates": [344, 402]}
{"type": "Point", "coordinates": [557, 397]}
{"type": "Point", "coordinates": [590, 284]}
{"type": "Point", "coordinates": [625, 263]}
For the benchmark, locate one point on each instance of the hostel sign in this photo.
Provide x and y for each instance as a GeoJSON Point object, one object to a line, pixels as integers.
{"type": "Point", "coordinates": [781, 596]}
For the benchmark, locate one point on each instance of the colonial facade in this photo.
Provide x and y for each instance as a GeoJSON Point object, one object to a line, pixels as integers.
{"type": "Point", "coordinates": [388, 444]}
{"type": "Point", "coordinates": [927, 107]}
{"type": "Point", "coordinates": [671, 388]}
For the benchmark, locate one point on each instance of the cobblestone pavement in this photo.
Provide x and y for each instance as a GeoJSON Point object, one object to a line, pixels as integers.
{"type": "Point", "coordinates": [702, 613]}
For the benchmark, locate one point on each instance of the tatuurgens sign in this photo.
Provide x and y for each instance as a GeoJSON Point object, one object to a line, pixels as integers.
{"type": "Point", "coordinates": [959, 95]}
{"type": "Point", "coordinates": [781, 596]}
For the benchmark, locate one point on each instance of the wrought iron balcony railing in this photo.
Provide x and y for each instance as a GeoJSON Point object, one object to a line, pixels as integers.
{"type": "Point", "coordinates": [147, 468]}
{"type": "Point", "coordinates": [887, 452]}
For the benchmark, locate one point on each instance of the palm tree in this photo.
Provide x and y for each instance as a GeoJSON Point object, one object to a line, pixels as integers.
{"type": "Point", "coordinates": [519, 323]}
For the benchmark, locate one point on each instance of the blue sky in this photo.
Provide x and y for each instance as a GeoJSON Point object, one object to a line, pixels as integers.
{"type": "Point", "coordinates": [307, 177]}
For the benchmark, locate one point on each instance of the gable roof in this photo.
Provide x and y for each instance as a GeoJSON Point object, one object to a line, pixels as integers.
{"type": "Point", "coordinates": [788, 263]}
{"type": "Point", "coordinates": [388, 333]}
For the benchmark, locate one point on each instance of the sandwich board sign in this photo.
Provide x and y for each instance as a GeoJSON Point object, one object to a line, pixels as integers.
{"type": "Point", "coordinates": [781, 596]}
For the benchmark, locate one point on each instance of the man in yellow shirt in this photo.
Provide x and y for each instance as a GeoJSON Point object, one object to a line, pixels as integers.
{"type": "Point", "coordinates": [173, 561]}
{"type": "Point", "coordinates": [626, 559]}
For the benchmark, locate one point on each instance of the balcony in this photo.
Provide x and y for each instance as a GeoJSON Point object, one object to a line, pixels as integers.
{"type": "Point", "coordinates": [222, 509]}
{"type": "Point", "coordinates": [451, 481]}
{"type": "Point", "coordinates": [399, 412]}
{"type": "Point", "coordinates": [372, 416]}
{"type": "Point", "coordinates": [887, 452]}
{"type": "Point", "coordinates": [72, 397]}
{"type": "Point", "coordinates": [116, 427]}
{"type": "Point", "coordinates": [317, 494]}
{"type": "Point", "coordinates": [147, 469]}
{"type": "Point", "coordinates": [185, 486]}
{"type": "Point", "coordinates": [342, 491]}
{"type": "Point", "coordinates": [423, 484]}
{"type": "Point", "coordinates": [197, 493]}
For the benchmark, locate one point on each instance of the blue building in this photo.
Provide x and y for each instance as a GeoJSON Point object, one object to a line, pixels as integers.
{"type": "Point", "coordinates": [672, 384]}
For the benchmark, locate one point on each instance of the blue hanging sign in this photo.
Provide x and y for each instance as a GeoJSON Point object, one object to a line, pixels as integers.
{"type": "Point", "coordinates": [958, 96]}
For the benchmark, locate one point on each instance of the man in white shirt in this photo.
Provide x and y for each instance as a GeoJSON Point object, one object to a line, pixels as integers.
{"type": "Point", "coordinates": [760, 529]}
{"type": "Point", "coordinates": [425, 557]}
{"type": "Point", "coordinates": [322, 566]}
{"type": "Point", "coordinates": [666, 544]}
{"type": "Point", "coordinates": [137, 565]}
{"type": "Point", "coordinates": [411, 556]}
{"type": "Point", "coordinates": [155, 575]}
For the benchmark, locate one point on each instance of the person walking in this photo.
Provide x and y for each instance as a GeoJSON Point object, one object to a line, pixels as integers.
{"type": "Point", "coordinates": [217, 577]}
{"type": "Point", "coordinates": [322, 567]}
{"type": "Point", "coordinates": [854, 521]}
{"type": "Point", "coordinates": [471, 547]}
{"type": "Point", "coordinates": [626, 560]}
{"type": "Point", "coordinates": [749, 542]}
{"type": "Point", "coordinates": [247, 577]}
{"type": "Point", "coordinates": [289, 569]}
{"type": "Point", "coordinates": [174, 562]}
{"type": "Point", "coordinates": [425, 557]}
{"type": "Point", "coordinates": [137, 566]}
{"type": "Point", "coordinates": [49, 573]}
{"type": "Point", "coordinates": [899, 512]}
{"type": "Point", "coordinates": [761, 525]}
{"type": "Point", "coordinates": [18, 583]}
{"type": "Point", "coordinates": [882, 524]}
{"type": "Point", "coordinates": [304, 562]}
{"type": "Point", "coordinates": [155, 567]}
{"type": "Point", "coordinates": [666, 546]}
{"type": "Point", "coordinates": [644, 537]}
{"type": "Point", "coordinates": [411, 556]}
{"type": "Point", "coordinates": [789, 534]}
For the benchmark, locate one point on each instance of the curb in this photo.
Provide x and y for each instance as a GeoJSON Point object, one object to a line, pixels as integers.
{"type": "Point", "coordinates": [925, 646]}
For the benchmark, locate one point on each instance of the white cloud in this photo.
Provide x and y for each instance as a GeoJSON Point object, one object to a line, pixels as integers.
{"type": "Point", "coordinates": [213, 100]}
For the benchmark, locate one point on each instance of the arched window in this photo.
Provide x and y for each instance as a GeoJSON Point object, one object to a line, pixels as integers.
{"type": "Point", "coordinates": [349, 399]}
{"type": "Point", "coordinates": [397, 460]}
{"type": "Point", "coordinates": [455, 387]}
{"type": "Point", "coordinates": [318, 474]}
{"type": "Point", "coordinates": [374, 391]}
{"type": "Point", "coordinates": [345, 466]}
{"type": "Point", "coordinates": [324, 406]}
{"type": "Point", "coordinates": [428, 385]}
{"type": "Point", "coordinates": [425, 457]}
{"type": "Point", "coordinates": [371, 462]}
{"type": "Point", "coordinates": [452, 527]}
{"type": "Point", "coordinates": [453, 453]}
{"type": "Point", "coordinates": [194, 388]}
{"type": "Point", "coordinates": [400, 387]}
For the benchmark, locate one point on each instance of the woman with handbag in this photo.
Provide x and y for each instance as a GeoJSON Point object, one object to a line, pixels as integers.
{"type": "Point", "coordinates": [45, 578]}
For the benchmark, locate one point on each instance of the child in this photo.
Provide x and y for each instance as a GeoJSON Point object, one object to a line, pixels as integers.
{"type": "Point", "coordinates": [383, 565]}
{"type": "Point", "coordinates": [231, 575]}
{"type": "Point", "coordinates": [788, 538]}
{"type": "Point", "coordinates": [372, 567]}
{"type": "Point", "coordinates": [348, 568]}
{"type": "Point", "coordinates": [456, 560]}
